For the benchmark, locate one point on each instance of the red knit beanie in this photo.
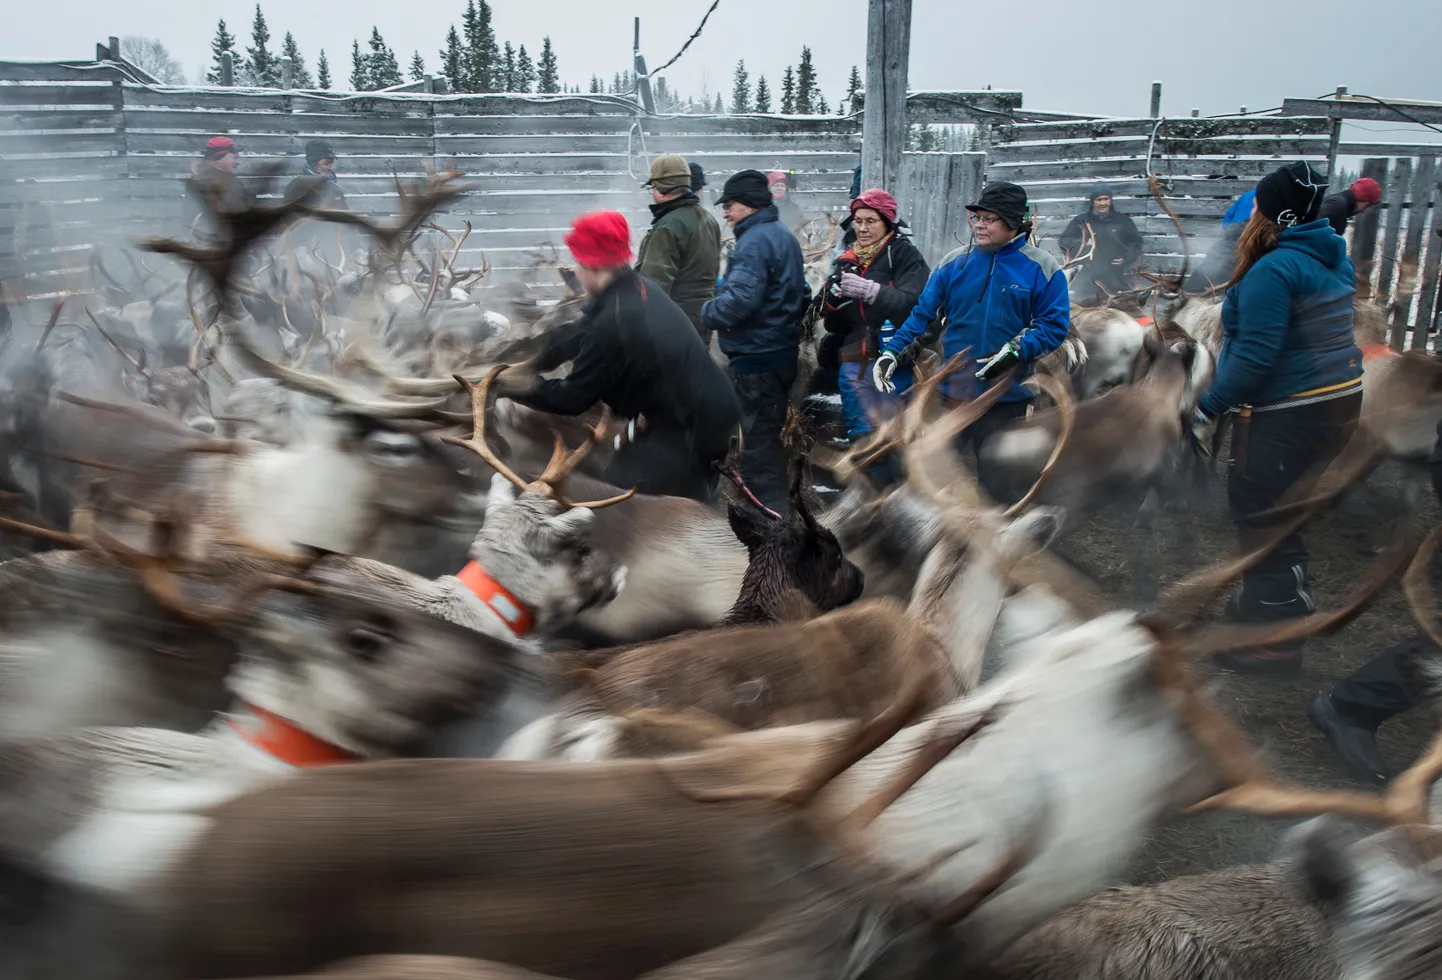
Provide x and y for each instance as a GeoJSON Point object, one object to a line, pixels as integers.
{"type": "Point", "coordinates": [1366, 191]}
{"type": "Point", "coordinates": [219, 145]}
{"type": "Point", "coordinates": [601, 240]}
{"type": "Point", "coordinates": [879, 201]}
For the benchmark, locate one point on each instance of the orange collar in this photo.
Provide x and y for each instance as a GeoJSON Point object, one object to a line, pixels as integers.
{"type": "Point", "coordinates": [512, 611]}
{"type": "Point", "coordinates": [1370, 352]}
{"type": "Point", "coordinates": [1145, 321]}
{"type": "Point", "coordinates": [277, 737]}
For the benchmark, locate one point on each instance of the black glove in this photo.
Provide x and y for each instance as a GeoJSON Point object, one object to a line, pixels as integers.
{"type": "Point", "coordinates": [828, 351]}
{"type": "Point", "coordinates": [1001, 362]}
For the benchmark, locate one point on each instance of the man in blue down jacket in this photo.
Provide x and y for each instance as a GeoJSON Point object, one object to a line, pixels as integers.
{"type": "Point", "coordinates": [1003, 298]}
{"type": "Point", "coordinates": [1291, 370]}
{"type": "Point", "coordinates": [757, 314]}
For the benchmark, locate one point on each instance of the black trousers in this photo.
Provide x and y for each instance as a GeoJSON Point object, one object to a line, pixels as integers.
{"type": "Point", "coordinates": [1272, 452]}
{"type": "Point", "coordinates": [998, 417]}
{"type": "Point", "coordinates": [663, 462]}
{"type": "Point", "coordinates": [1382, 687]}
{"type": "Point", "coordinates": [765, 398]}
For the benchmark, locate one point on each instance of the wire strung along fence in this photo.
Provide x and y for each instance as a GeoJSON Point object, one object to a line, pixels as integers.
{"type": "Point", "coordinates": [1203, 164]}
{"type": "Point", "coordinates": [90, 158]}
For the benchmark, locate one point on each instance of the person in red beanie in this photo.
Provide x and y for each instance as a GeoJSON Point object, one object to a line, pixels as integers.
{"type": "Point", "coordinates": [214, 177]}
{"type": "Point", "coordinates": [1338, 208]}
{"type": "Point", "coordinates": [787, 210]}
{"type": "Point", "coordinates": [635, 351]}
{"type": "Point", "coordinates": [874, 287]}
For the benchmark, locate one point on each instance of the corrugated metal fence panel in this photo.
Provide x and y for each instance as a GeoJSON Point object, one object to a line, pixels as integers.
{"type": "Point", "coordinates": [94, 159]}
{"type": "Point", "coordinates": [1204, 165]}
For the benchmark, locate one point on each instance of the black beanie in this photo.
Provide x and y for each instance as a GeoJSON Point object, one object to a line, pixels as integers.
{"type": "Point", "coordinates": [698, 177]}
{"type": "Point", "coordinates": [749, 187]}
{"type": "Point", "coordinates": [318, 150]}
{"type": "Point", "coordinates": [1292, 195]}
{"type": "Point", "coordinates": [1006, 200]}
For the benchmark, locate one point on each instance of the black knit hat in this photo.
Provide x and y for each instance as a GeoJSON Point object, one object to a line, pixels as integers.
{"type": "Point", "coordinates": [749, 187]}
{"type": "Point", "coordinates": [1006, 200]}
{"type": "Point", "coordinates": [1292, 195]}
{"type": "Point", "coordinates": [698, 177]}
{"type": "Point", "coordinates": [318, 150]}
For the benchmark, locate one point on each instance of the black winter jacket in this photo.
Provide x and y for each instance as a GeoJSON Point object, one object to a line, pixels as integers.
{"type": "Point", "coordinates": [902, 272]}
{"type": "Point", "coordinates": [1337, 209]}
{"type": "Point", "coordinates": [635, 351]}
{"type": "Point", "coordinates": [760, 302]}
{"type": "Point", "coordinates": [1117, 238]}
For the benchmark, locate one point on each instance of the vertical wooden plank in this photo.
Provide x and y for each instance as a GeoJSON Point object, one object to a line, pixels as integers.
{"type": "Point", "coordinates": [1427, 304]}
{"type": "Point", "coordinates": [888, 54]}
{"type": "Point", "coordinates": [1395, 199]}
{"type": "Point", "coordinates": [1419, 197]}
{"type": "Point", "coordinates": [1364, 232]}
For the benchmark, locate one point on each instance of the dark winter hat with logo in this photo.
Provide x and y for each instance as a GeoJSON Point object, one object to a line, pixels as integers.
{"type": "Point", "coordinates": [749, 187]}
{"type": "Point", "coordinates": [1292, 195]}
{"type": "Point", "coordinates": [1004, 199]}
{"type": "Point", "coordinates": [318, 150]}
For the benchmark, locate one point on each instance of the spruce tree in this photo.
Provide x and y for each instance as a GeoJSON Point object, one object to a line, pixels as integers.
{"type": "Point", "coordinates": [806, 84]}
{"type": "Point", "coordinates": [299, 75]}
{"type": "Point", "coordinates": [720, 106]}
{"type": "Point", "coordinates": [508, 69]}
{"type": "Point", "coordinates": [595, 85]}
{"type": "Point", "coordinates": [485, 56]}
{"type": "Point", "coordinates": [819, 105]}
{"type": "Point", "coordinates": [261, 67]}
{"type": "Point", "coordinates": [547, 78]}
{"type": "Point", "coordinates": [322, 71]}
{"type": "Point", "coordinates": [763, 95]}
{"type": "Point", "coordinates": [384, 70]}
{"type": "Point", "coordinates": [360, 76]}
{"type": "Point", "coordinates": [470, 30]}
{"type": "Point", "coordinates": [788, 92]}
{"type": "Point", "coordinates": [740, 88]}
{"type": "Point", "coordinates": [525, 71]}
{"type": "Point", "coordinates": [453, 62]}
{"type": "Point", "coordinates": [853, 87]}
{"type": "Point", "coordinates": [223, 43]}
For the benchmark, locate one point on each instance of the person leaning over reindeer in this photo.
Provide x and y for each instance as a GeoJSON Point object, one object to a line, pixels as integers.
{"type": "Point", "coordinates": [1112, 241]}
{"type": "Point", "coordinates": [757, 312]}
{"type": "Point", "coordinates": [635, 351]}
{"type": "Point", "coordinates": [1291, 373]}
{"type": "Point", "coordinates": [874, 287]}
{"type": "Point", "coordinates": [1004, 300]}
{"type": "Point", "coordinates": [215, 177]}
{"type": "Point", "coordinates": [682, 251]}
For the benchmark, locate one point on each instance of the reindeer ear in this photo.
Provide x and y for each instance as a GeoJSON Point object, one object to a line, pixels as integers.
{"type": "Point", "coordinates": [502, 492]}
{"type": "Point", "coordinates": [572, 522]}
{"type": "Point", "coordinates": [1319, 853]}
{"type": "Point", "coordinates": [746, 526]}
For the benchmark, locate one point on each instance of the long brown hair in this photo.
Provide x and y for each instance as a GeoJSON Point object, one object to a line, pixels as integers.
{"type": "Point", "coordinates": [1258, 238]}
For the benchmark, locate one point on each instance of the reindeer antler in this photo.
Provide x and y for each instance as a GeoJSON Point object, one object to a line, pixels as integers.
{"type": "Point", "coordinates": [1156, 188]}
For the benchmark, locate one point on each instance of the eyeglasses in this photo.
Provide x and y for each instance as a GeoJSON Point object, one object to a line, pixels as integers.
{"type": "Point", "coordinates": [985, 219]}
{"type": "Point", "coordinates": [866, 222]}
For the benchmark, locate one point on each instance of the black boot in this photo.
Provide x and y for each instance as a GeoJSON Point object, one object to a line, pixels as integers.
{"type": "Point", "coordinates": [1354, 745]}
{"type": "Point", "coordinates": [1270, 602]}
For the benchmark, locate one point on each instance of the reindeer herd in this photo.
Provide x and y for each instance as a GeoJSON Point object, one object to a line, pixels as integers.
{"type": "Point", "coordinates": [318, 659]}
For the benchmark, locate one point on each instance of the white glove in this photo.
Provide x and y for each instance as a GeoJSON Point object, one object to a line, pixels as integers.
{"type": "Point", "coordinates": [881, 373]}
{"type": "Point", "coordinates": [1000, 362]}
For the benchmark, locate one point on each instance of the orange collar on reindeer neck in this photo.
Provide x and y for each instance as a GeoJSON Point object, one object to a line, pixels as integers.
{"type": "Point", "coordinates": [275, 736]}
{"type": "Point", "coordinates": [498, 598]}
{"type": "Point", "coordinates": [1370, 352]}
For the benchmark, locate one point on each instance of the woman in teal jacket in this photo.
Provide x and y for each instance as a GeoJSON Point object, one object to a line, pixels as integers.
{"type": "Point", "coordinates": [1291, 372]}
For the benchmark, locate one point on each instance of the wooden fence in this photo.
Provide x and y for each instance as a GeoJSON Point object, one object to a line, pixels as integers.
{"type": "Point", "coordinates": [1204, 165]}
{"type": "Point", "coordinates": [90, 158]}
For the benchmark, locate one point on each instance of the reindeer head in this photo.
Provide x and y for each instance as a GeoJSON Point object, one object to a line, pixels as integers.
{"type": "Point", "coordinates": [348, 656]}
{"type": "Point", "coordinates": [790, 554]}
{"type": "Point", "coordinates": [1382, 900]}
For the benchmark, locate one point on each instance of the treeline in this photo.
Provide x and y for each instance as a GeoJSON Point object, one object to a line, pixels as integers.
{"type": "Point", "coordinates": [800, 94]}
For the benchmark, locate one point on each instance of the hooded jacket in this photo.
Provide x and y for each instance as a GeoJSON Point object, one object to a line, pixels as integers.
{"type": "Point", "coordinates": [759, 305]}
{"type": "Point", "coordinates": [1337, 210]}
{"type": "Point", "coordinates": [682, 253]}
{"type": "Point", "coordinates": [902, 272]}
{"type": "Point", "coordinates": [1287, 326]}
{"type": "Point", "coordinates": [315, 190]}
{"type": "Point", "coordinates": [1016, 293]}
{"type": "Point", "coordinates": [635, 351]}
{"type": "Point", "coordinates": [1116, 237]}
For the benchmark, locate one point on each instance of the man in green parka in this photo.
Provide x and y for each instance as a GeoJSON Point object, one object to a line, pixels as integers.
{"type": "Point", "coordinates": [682, 251]}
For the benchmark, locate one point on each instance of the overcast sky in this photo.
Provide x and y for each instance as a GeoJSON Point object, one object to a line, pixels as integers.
{"type": "Point", "coordinates": [1077, 55]}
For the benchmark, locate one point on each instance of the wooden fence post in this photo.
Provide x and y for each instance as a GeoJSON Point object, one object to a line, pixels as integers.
{"type": "Point", "coordinates": [1427, 304]}
{"type": "Point", "coordinates": [227, 69]}
{"type": "Point", "coordinates": [888, 53]}
{"type": "Point", "coordinates": [287, 73]}
{"type": "Point", "coordinates": [1336, 139]}
{"type": "Point", "coordinates": [1364, 232]}
{"type": "Point", "coordinates": [1396, 198]}
{"type": "Point", "coordinates": [1420, 194]}
{"type": "Point", "coordinates": [1156, 109]}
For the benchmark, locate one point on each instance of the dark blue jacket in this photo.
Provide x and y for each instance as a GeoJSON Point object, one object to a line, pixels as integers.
{"type": "Point", "coordinates": [758, 306]}
{"type": "Point", "coordinates": [1287, 326]}
{"type": "Point", "coordinates": [989, 298]}
{"type": "Point", "coordinates": [1241, 210]}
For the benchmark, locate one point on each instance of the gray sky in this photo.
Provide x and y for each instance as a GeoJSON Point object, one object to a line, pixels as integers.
{"type": "Point", "coordinates": [1099, 56]}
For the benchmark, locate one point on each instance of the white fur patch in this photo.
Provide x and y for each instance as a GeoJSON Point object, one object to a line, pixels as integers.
{"type": "Point", "coordinates": [1021, 445]}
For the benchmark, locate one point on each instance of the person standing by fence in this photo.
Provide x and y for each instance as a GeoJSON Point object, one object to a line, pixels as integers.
{"type": "Point", "coordinates": [757, 312]}
{"type": "Point", "coordinates": [1338, 209]}
{"type": "Point", "coordinates": [682, 252]}
{"type": "Point", "coordinates": [317, 184]}
{"type": "Point", "coordinates": [779, 182]}
{"type": "Point", "coordinates": [1291, 372]}
{"type": "Point", "coordinates": [1112, 241]}
{"type": "Point", "coordinates": [1003, 299]}
{"type": "Point", "coordinates": [874, 287]}
{"type": "Point", "coordinates": [215, 179]}
{"type": "Point", "coordinates": [1221, 258]}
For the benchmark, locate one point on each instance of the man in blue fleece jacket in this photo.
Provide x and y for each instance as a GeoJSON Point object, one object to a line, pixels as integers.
{"type": "Point", "coordinates": [1292, 372]}
{"type": "Point", "coordinates": [1003, 298]}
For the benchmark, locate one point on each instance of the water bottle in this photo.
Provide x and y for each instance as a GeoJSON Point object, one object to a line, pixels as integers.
{"type": "Point", "coordinates": [888, 330]}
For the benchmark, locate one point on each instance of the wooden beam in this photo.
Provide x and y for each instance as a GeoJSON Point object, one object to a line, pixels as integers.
{"type": "Point", "coordinates": [888, 53]}
{"type": "Point", "coordinates": [1354, 107]}
{"type": "Point", "coordinates": [1388, 149]}
{"type": "Point", "coordinates": [1396, 194]}
{"type": "Point", "coordinates": [1419, 197]}
{"type": "Point", "coordinates": [1364, 232]}
{"type": "Point", "coordinates": [1427, 304]}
